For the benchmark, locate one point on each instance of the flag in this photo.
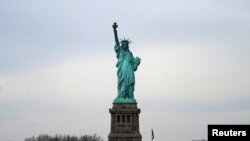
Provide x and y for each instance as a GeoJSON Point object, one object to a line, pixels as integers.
{"type": "Point", "coordinates": [152, 134]}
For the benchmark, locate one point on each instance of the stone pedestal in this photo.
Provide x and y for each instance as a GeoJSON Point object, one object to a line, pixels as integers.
{"type": "Point", "coordinates": [124, 122]}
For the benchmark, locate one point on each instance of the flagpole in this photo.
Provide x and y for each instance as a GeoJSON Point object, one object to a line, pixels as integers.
{"type": "Point", "coordinates": [152, 133]}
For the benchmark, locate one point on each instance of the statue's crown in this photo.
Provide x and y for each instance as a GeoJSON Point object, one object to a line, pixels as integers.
{"type": "Point", "coordinates": [125, 40]}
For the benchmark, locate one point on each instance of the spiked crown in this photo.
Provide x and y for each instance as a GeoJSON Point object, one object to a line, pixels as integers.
{"type": "Point", "coordinates": [125, 40]}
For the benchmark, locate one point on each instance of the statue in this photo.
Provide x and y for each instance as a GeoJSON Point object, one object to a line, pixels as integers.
{"type": "Point", "coordinates": [126, 66]}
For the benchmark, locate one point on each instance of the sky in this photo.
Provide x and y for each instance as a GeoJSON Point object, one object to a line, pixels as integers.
{"type": "Point", "coordinates": [58, 74]}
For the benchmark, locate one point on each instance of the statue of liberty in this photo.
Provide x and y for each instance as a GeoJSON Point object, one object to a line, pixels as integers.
{"type": "Point", "coordinates": [126, 66]}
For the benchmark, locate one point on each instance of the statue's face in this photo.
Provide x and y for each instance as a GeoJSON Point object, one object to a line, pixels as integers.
{"type": "Point", "coordinates": [125, 45]}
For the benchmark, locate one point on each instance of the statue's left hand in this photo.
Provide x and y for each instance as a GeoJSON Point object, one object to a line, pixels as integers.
{"type": "Point", "coordinates": [138, 60]}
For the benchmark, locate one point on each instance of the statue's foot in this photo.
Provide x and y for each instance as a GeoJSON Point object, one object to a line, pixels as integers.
{"type": "Point", "coordinates": [124, 100]}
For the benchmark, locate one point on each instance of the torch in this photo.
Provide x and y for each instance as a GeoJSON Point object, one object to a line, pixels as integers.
{"type": "Point", "coordinates": [115, 25]}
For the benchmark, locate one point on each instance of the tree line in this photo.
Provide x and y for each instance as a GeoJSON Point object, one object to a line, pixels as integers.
{"type": "Point", "coordinates": [45, 137]}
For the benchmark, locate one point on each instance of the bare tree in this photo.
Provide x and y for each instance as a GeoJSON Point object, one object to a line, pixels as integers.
{"type": "Point", "coordinates": [45, 137]}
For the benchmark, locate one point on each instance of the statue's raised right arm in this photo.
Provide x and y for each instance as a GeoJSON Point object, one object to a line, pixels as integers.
{"type": "Point", "coordinates": [115, 33]}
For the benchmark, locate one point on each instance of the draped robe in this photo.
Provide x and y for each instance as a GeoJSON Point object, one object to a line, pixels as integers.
{"type": "Point", "coordinates": [126, 66]}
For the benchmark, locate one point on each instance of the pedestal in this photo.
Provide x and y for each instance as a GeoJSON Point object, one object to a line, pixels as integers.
{"type": "Point", "coordinates": [124, 122]}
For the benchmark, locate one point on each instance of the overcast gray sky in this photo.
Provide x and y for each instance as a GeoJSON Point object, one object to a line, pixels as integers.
{"type": "Point", "coordinates": [58, 75]}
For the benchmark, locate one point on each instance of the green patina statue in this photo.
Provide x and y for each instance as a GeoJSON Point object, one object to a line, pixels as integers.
{"type": "Point", "coordinates": [126, 66]}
